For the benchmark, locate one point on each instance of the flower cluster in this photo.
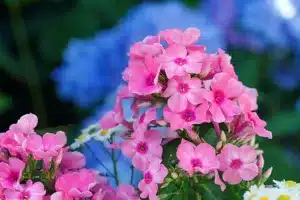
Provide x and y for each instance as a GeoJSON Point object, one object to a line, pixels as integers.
{"type": "Point", "coordinates": [38, 167]}
{"type": "Point", "coordinates": [178, 90]}
{"type": "Point", "coordinates": [281, 191]}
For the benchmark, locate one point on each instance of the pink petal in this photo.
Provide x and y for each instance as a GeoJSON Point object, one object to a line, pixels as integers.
{"type": "Point", "coordinates": [230, 108]}
{"type": "Point", "coordinates": [232, 176]}
{"type": "Point", "coordinates": [218, 181]}
{"type": "Point", "coordinates": [128, 148]}
{"type": "Point", "coordinates": [140, 162]}
{"type": "Point", "coordinates": [160, 176]}
{"type": "Point", "coordinates": [249, 171]}
{"type": "Point", "coordinates": [177, 103]}
{"type": "Point", "coordinates": [216, 113]}
{"type": "Point", "coordinates": [191, 35]}
{"type": "Point", "coordinates": [233, 88]}
{"type": "Point", "coordinates": [247, 154]}
{"type": "Point", "coordinates": [108, 120]}
{"type": "Point", "coordinates": [175, 51]}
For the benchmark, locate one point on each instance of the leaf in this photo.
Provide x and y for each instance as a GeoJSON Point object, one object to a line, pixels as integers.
{"type": "Point", "coordinates": [284, 123]}
{"type": "Point", "coordinates": [169, 153]}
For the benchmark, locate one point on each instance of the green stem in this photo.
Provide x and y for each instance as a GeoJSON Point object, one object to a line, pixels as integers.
{"type": "Point", "coordinates": [113, 157]}
{"type": "Point", "coordinates": [27, 62]}
{"type": "Point", "coordinates": [198, 197]}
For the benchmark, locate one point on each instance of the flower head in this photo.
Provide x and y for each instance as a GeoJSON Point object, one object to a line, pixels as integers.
{"type": "Point", "coordinates": [29, 191]}
{"type": "Point", "coordinates": [11, 173]}
{"type": "Point", "coordinates": [201, 158]}
{"type": "Point", "coordinates": [238, 163]}
{"type": "Point", "coordinates": [153, 175]}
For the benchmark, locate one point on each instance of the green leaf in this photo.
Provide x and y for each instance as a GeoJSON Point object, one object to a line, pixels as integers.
{"type": "Point", "coordinates": [169, 153]}
{"type": "Point", "coordinates": [284, 123]}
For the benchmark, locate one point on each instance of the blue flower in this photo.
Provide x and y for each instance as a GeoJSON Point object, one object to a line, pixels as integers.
{"type": "Point", "coordinates": [92, 68]}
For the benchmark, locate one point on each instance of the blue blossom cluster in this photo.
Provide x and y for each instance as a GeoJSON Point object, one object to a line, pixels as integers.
{"type": "Point", "coordinates": [92, 67]}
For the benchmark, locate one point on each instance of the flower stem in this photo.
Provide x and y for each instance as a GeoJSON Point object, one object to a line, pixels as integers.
{"type": "Point", "coordinates": [113, 157]}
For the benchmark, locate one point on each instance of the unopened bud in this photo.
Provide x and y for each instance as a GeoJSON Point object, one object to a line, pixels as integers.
{"type": "Point", "coordinates": [219, 145]}
{"type": "Point", "coordinates": [144, 104]}
{"type": "Point", "coordinates": [260, 161]}
{"type": "Point", "coordinates": [267, 173]}
{"type": "Point", "coordinates": [174, 175]}
{"type": "Point", "coordinates": [252, 142]}
{"type": "Point", "coordinates": [259, 152]}
{"type": "Point", "coordinates": [256, 146]}
{"type": "Point", "coordinates": [223, 136]}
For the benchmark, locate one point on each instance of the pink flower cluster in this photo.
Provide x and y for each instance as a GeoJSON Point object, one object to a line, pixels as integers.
{"type": "Point", "coordinates": [172, 73]}
{"type": "Point", "coordinates": [35, 167]}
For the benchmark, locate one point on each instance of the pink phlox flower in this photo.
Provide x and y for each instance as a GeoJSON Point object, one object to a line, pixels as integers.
{"type": "Point", "coordinates": [149, 46]}
{"type": "Point", "coordinates": [105, 193]}
{"type": "Point", "coordinates": [187, 118]}
{"type": "Point", "coordinates": [153, 175]}
{"type": "Point", "coordinates": [201, 158]}
{"type": "Point", "coordinates": [238, 163]}
{"type": "Point", "coordinates": [222, 97]}
{"type": "Point", "coordinates": [183, 90]}
{"type": "Point", "coordinates": [178, 61]}
{"type": "Point", "coordinates": [46, 146]}
{"type": "Point", "coordinates": [76, 184]}
{"type": "Point", "coordinates": [126, 192]}
{"type": "Point", "coordinates": [218, 181]}
{"type": "Point", "coordinates": [26, 124]}
{"type": "Point", "coordinates": [248, 100]}
{"type": "Point", "coordinates": [258, 125]}
{"type": "Point", "coordinates": [143, 76]}
{"type": "Point", "coordinates": [143, 148]}
{"type": "Point", "coordinates": [113, 118]}
{"type": "Point", "coordinates": [177, 36]}
{"type": "Point", "coordinates": [72, 161]}
{"type": "Point", "coordinates": [218, 63]}
{"type": "Point", "coordinates": [29, 191]}
{"type": "Point", "coordinates": [11, 173]}
{"type": "Point", "coordinates": [144, 120]}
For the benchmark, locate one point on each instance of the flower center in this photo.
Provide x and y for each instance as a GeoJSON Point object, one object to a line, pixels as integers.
{"type": "Point", "coordinates": [180, 61]}
{"type": "Point", "coordinates": [103, 132]}
{"type": "Point", "coordinates": [150, 79]}
{"type": "Point", "coordinates": [236, 164]}
{"type": "Point", "coordinates": [264, 198]}
{"type": "Point", "coordinates": [196, 163]}
{"type": "Point", "coordinates": [148, 177]}
{"type": "Point", "coordinates": [26, 195]}
{"type": "Point", "coordinates": [284, 197]}
{"type": "Point", "coordinates": [142, 147]}
{"type": "Point", "coordinates": [219, 96]}
{"type": "Point", "coordinates": [183, 88]}
{"type": "Point", "coordinates": [188, 115]}
{"type": "Point", "coordinates": [13, 177]}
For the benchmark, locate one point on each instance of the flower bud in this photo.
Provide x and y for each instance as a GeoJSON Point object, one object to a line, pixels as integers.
{"type": "Point", "coordinates": [260, 161]}
{"type": "Point", "coordinates": [252, 142]}
{"type": "Point", "coordinates": [259, 152]}
{"type": "Point", "coordinates": [223, 136]}
{"type": "Point", "coordinates": [219, 145]}
{"type": "Point", "coordinates": [174, 175]}
{"type": "Point", "coordinates": [267, 173]}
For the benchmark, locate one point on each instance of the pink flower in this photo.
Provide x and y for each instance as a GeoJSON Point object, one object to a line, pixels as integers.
{"type": "Point", "coordinates": [183, 90]}
{"type": "Point", "coordinates": [155, 174]}
{"type": "Point", "coordinates": [248, 99]}
{"type": "Point", "coordinates": [25, 124]}
{"type": "Point", "coordinates": [72, 161]}
{"type": "Point", "coordinates": [143, 76]}
{"type": "Point", "coordinates": [113, 118]}
{"type": "Point", "coordinates": [105, 193]}
{"type": "Point", "coordinates": [11, 173]}
{"type": "Point", "coordinates": [177, 61]}
{"type": "Point", "coordinates": [224, 91]}
{"type": "Point", "coordinates": [76, 184]}
{"type": "Point", "coordinates": [2, 196]}
{"type": "Point", "coordinates": [187, 118]}
{"type": "Point", "coordinates": [143, 148]}
{"type": "Point", "coordinates": [238, 163]}
{"type": "Point", "coordinates": [149, 46]}
{"type": "Point", "coordinates": [177, 36]}
{"type": "Point", "coordinates": [126, 192]}
{"type": "Point", "coordinates": [201, 158]}
{"type": "Point", "coordinates": [217, 63]}
{"type": "Point", "coordinates": [30, 191]}
{"type": "Point", "coordinates": [144, 120]}
{"type": "Point", "coordinates": [258, 125]}
{"type": "Point", "coordinates": [46, 146]}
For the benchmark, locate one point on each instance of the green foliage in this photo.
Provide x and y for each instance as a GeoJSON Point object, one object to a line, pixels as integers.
{"type": "Point", "coordinates": [283, 123]}
{"type": "Point", "coordinates": [5, 103]}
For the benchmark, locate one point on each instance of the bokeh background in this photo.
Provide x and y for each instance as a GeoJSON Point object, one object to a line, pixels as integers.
{"type": "Point", "coordinates": [62, 59]}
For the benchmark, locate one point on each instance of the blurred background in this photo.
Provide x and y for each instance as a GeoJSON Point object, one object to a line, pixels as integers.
{"type": "Point", "coordinates": [62, 59]}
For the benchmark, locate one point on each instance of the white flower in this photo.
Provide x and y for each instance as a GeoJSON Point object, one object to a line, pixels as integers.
{"type": "Point", "coordinates": [104, 134]}
{"type": "Point", "coordinates": [281, 191]}
{"type": "Point", "coordinates": [80, 140]}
